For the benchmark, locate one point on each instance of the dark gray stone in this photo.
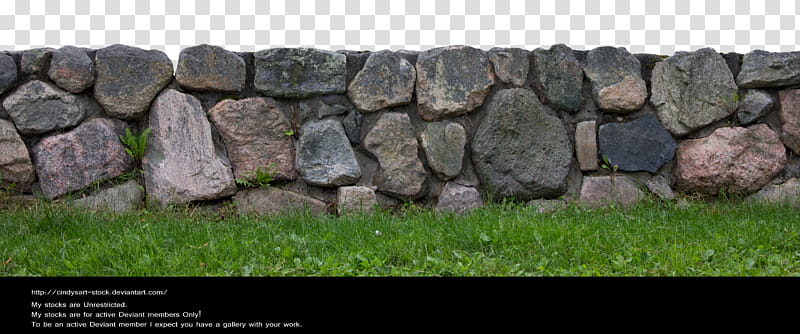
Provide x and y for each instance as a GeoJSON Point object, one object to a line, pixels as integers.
{"type": "Point", "coordinates": [352, 127]}
{"type": "Point", "coordinates": [38, 107]}
{"type": "Point", "coordinates": [319, 107]}
{"type": "Point", "coordinates": [71, 69]}
{"type": "Point", "coordinates": [36, 61]}
{"type": "Point", "coordinates": [769, 69]}
{"type": "Point", "coordinates": [558, 77]}
{"type": "Point", "coordinates": [299, 72]}
{"type": "Point", "coordinates": [443, 143]}
{"type": "Point", "coordinates": [386, 80]}
{"type": "Point", "coordinates": [734, 61]}
{"type": "Point", "coordinates": [510, 65]}
{"type": "Point", "coordinates": [210, 68]}
{"type": "Point", "coordinates": [129, 78]}
{"type": "Point", "coordinates": [120, 198]}
{"type": "Point", "coordinates": [8, 73]}
{"type": "Point", "coordinates": [648, 63]}
{"type": "Point", "coordinates": [521, 150]}
{"type": "Point", "coordinates": [355, 62]}
{"type": "Point", "coordinates": [325, 157]}
{"type": "Point", "coordinates": [640, 145]}
{"type": "Point", "coordinates": [754, 104]}
{"type": "Point", "coordinates": [616, 80]}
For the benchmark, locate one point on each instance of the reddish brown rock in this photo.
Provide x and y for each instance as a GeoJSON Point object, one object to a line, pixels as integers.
{"type": "Point", "coordinates": [71, 69]}
{"type": "Point", "coordinates": [90, 153]}
{"type": "Point", "coordinates": [734, 160]}
{"type": "Point", "coordinates": [15, 162]}
{"type": "Point", "coordinates": [355, 199]}
{"type": "Point", "coordinates": [604, 190]}
{"type": "Point", "coordinates": [616, 79]}
{"type": "Point", "coordinates": [586, 145]}
{"type": "Point", "coordinates": [253, 131]}
{"type": "Point", "coordinates": [789, 114]}
{"type": "Point", "coordinates": [275, 201]}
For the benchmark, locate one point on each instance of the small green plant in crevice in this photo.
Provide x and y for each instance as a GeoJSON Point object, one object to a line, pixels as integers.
{"type": "Point", "coordinates": [260, 178]}
{"type": "Point", "coordinates": [606, 164]}
{"type": "Point", "coordinates": [135, 144]}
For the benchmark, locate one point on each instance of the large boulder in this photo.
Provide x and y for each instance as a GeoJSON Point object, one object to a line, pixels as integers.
{"type": "Point", "coordinates": [90, 153]}
{"type": "Point", "coordinates": [183, 162]}
{"type": "Point", "coordinates": [734, 160]}
{"type": "Point", "coordinates": [129, 78]}
{"type": "Point", "coordinates": [386, 80]}
{"type": "Point", "coordinates": [355, 199]}
{"type": "Point", "coordinates": [275, 201]}
{"type": "Point", "coordinates": [510, 65]}
{"type": "Point", "coordinates": [325, 157]}
{"type": "Point", "coordinates": [618, 190]}
{"type": "Point", "coordinates": [692, 89]}
{"type": "Point", "coordinates": [616, 79]}
{"type": "Point", "coordinates": [558, 77]}
{"type": "Point", "coordinates": [443, 143]}
{"type": "Point", "coordinates": [39, 107]}
{"type": "Point", "coordinates": [391, 140]}
{"type": "Point", "coordinates": [755, 103]}
{"type": "Point", "coordinates": [254, 133]}
{"type": "Point", "coordinates": [15, 162]}
{"type": "Point", "coordinates": [640, 145]}
{"type": "Point", "coordinates": [299, 72]}
{"type": "Point", "coordinates": [789, 115]}
{"type": "Point", "coordinates": [521, 150]}
{"type": "Point", "coordinates": [769, 69]}
{"type": "Point", "coordinates": [458, 199]}
{"type": "Point", "coordinates": [209, 68]}
{"type": "Point", "coordinates": [120, 198]}
{"type": "Point", "coordinates": [8, 73]}
{"type": "Point", "coordinates": [72, 69]}
{"type": "Point", "coordinates": [451, 81]}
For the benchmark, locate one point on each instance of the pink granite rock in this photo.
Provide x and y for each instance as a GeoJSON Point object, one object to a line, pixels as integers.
{"type": "Point", "coordinates": [735, 160]}
{"type": "Point", "coordinates": [789, 114]}
{"type": "Point", "coordinates": [355, 199]}
{"type": "Point", "coordinates": [604, 190]}
{"type": "Point", "coordinates": [586, 145]}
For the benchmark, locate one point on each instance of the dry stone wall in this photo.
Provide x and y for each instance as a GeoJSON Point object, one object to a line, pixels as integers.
{"type": "Point", "coordinates": [450, 128]}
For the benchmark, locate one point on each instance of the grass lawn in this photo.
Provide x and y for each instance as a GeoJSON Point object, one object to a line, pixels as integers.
{"type": "Point", "coordinates": [727, 238]}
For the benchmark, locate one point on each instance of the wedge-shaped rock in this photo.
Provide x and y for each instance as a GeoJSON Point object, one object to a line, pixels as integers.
{"type": "Point", "coordinates": [392, 141]}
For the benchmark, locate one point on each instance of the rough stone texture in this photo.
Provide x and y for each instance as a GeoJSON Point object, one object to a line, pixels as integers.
{"type": "Point", "coordinates": [616, 79]}
{"type": "Point", "coordinates": [355, 62]}
{"type": "Point", "coordinates": [443, 143]}
{"type": "Point", "coordinates": [253, 132]}
{"type": "Point", "coordinates": [90, 153]}
{"type": "Point", "coordinates": [458, 199]}
{"type": "Point", "coordinates": [275, 201]}
{"type": "Point", "coordinates": [734, 61]}
{"type": "Point", "coordinates": [8, 73]}
{"type": "Point", "coordinates": [658, 185]}
{"type": "Point", "coordinates": [786, 193]}
{"type": "Point", "coordinates": [129, 78]}
{"type": "Point", "coordinates": [182, 161]}
{"type": "Point", "coordinates": [789, 116]}
{"type": "Point", "coordinates": [299, 72]}
{"type": "Point", "coordinates": [769, 69]}
{"type": "Point", "coordinates": [71, 69]}
{"type": "Point", "coordinates": [325, 157]}
{"type": "Point", "coordinates": [391, 140]}
{"type": "Point", "coordinates": [640, 145]}
{"type": "Point", "coordinates": [547, 205]}
{"type": "Point", "coordinates": [520, 149]}
{"type": "Point", "coordinates": [754, 104]}
{"type": "Point", "coordinates": [791, 170]}
{"type": "Point", "coordinates": [692, 89]}
{"type": "Point", "coordinates": [735, 160]}
{"type": "Point", "coordinates": [606, 190]}
{"type": "Point", "coordinates": [452, 81]}
{"type": "Point", "coordinates": [319, 107]}
{"type": "Point", "coordinates": [510, 65]}
{"type": "Point", "coordinates": [386, 80]}
{"type": "Point", "coordinates": [15, 162]}
{"type": "Point", "coordinates": [352, 126]}
{"type": "Point", "coordinates": [35, 61]}
{"type": "Point", "coordinates": [648, 63]}
{"type": "Point", "coordinates": [586, 145]}
{"type": "Point", "coordinates": [210, 68]}
{"type": "Point", "coordinates": [355, 199]}
{"type": "Point", "coordinates": [124, 197]}
{"type": "Point", "coordinates": [558, 77]}
{"type": "Point", "coordinates": [39, 107]}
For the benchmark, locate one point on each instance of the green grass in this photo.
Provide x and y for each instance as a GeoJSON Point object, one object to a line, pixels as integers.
{"type": "Point", "coordinates": [653, 239]}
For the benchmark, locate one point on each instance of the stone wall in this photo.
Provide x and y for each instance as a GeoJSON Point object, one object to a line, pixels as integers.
{"type": "Point", "coordinates": [450, 128]}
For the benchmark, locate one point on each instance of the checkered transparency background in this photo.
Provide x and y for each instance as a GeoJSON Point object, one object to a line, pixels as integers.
{"type": "Point", "coordinates": [651, 26]}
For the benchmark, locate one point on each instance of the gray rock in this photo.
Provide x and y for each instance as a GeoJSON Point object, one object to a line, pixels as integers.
{"type": "Point", "coordinates": [648, 63]}
{"type": "Point", "coordinates": [619, 190]}
{"type": "Point", "coordinates": [35, 61]}
{"type": "Point", "coordinates": [769, 69]}
{"type": "Point", "coordinates": [520, 150]}
{"type": "Point", "coordinates": [789, 116]}
{"type": "Point", "coordinates": [616, 79]}
{"type": "Point", "coordinates": [182, 162]}
{"type": "Point", "coordinates": [786, 193]}
{"type": "Point", "coordinates": [443, 143]}
{"type": "Point", "coordinates": [385, 81]}
{"type": "Point", "coordinates": [355, 62]}
{"type": "Point", "coordinates": [124, 197]}
{"type": "Point", "coordinates": [352, 126]}
{"type": "Point", "coordinates": [452, 81]}
{"type": "Point", "coordinates": [547, 205]}
{"type": "Point", "coordinates": [90, 153]}
{"type": "Point", "coordinates": [15, 162]}
{"type": "Point", "coordinates": [129, 78]}
{"type": "Point", "coordinates": [658, 185]}
{"type": "Point", "coordinates": [253, 131]}
{"type": "Point", "coordinates": [71, 69]}
{"type": "Point", "coordinates": [586, 145]}
{"type": "Point", "coordinates": [510, 65]}
{"type": "Point", "coordinates": [209, 68]}
{"type": "Point", "coordinates": [391, 140]}
{"type": "Point", "coordinates": [325, 157]}
{"type": "Point", "coordinates": [558, 77]}
{"type": "Point", "coordinates": [640, 145]}
{"type": "Point", "coordinates": [458, 199]}
{"type": "Point", "coordinates": [692, 89]}
{"type": "Point", "coordinates": [299, 72]}
{"type": "Point", "coordinates": [319, 107]}
{"type": "Point", "coordinates": [754, 104]}
{"type": "Point", "coordinates": [39, 107]}
{"type": "Point", "coordinates": [734, 61]}
{"type": "Point", "coordinates": [355, 199]}
{"type": "Point", "coordinates": [275, 201]}
{"type": "Point", "coordinates": [8, 73]}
